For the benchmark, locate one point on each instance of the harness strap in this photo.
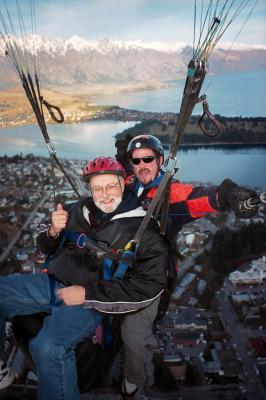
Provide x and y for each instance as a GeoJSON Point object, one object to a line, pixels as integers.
{"type": "Point", "coordinates": [107, 269]}
{"type": "Point", "coordinates": [167, 176]}
{"type": "Point", "coordinates": [125, 262]}
{"type": "Point", "coordinates": [165, 209]}
{"type": "Point", "coordinates": [123, 265]}
{"type": "Point", "coordinates": [125, 257]}
{"type": "Point", "coordinates": [81, 240]}
{"type": "Point", "coordinates": [45, 267]}
{"type": "Point", "coordinates": [107, 332]}
{"type": "Point", "coordinates": [107, 337]}
{"type": "Point", "coordinates": [195, 77]}
{"type": "Point", "coordinates": [52, 287]}
{"type": "Point", "coordinates": [78, 238]}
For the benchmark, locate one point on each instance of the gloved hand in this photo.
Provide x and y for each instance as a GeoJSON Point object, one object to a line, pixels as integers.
{"type": "Point", "coordinates": [234, 196]}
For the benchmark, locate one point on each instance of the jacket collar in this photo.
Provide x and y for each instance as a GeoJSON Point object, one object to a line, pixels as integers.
{"type": "Point", "coordinates": [152, 184]}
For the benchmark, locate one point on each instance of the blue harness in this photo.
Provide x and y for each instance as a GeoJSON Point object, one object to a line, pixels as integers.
{"type": "Point", "coordinates": [80, 240]}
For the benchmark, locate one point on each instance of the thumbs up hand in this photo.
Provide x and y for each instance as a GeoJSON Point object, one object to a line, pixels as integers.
{"type": "Point", "coordinates": [59, 221]}
{"type": "Point", "coordinates": [59, 207]}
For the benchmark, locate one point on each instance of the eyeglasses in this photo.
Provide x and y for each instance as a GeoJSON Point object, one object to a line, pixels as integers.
{"type": "Point", "coordinates": [99, 190]}
{"type": "Point", "coordinates": [146, 160]}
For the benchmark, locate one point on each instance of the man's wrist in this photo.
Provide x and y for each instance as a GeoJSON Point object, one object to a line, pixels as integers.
{"type": "Point", "coordinates": [223, 198]}
{"type": "Point", "coordinates": [51, 233]}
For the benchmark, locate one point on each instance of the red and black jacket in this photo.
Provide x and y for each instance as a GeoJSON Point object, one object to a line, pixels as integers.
{"type": "Point", "coordinates": [187, 202]}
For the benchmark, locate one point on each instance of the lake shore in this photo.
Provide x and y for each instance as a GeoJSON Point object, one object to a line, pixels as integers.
{"type": "Point", "coordinates": [80, 109]}
{"type": "Point", "coordinates": [243, 164]}
{"type": "Point", "coordinates": [16, 111]}
{"type": "Point", "coordinates": [219, 144]}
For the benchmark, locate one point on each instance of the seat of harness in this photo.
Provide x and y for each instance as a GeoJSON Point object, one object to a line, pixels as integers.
{"type": "Point", "coordinates": [123, 258]}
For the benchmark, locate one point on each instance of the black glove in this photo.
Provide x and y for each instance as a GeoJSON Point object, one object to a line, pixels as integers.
{"type": "Point", "coordinates": [234, 196]}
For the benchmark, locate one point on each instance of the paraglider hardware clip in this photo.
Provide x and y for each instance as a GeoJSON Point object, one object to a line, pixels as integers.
{"type": "Point", "coordinates": [81, 241]}
{"type": "Point", "coordinates": [170, 164]}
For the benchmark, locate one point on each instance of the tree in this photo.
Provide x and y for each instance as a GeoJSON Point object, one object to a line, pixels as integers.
{"type": "Point", "coordinates": [164, 127]}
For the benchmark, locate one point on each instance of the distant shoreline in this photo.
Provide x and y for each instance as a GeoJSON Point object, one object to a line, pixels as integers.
{"type": "Point", "coordinates": [219, 144]}
{"type": "Point", "coordinates": [16, 111]}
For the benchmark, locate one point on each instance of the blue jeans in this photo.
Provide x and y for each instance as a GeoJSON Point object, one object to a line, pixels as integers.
{"type": "Point", "coordinates": [53, 349]}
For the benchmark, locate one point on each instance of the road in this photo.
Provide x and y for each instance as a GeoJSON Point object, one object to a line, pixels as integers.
{"type": "Point", "coordinates": [80, 184]}
{"type": "Point", "coordinates": [252, 381]}
{"type": "Point", "coordinates": [82, 188]}
{"type": "Point", "coordinates": [12, 243]}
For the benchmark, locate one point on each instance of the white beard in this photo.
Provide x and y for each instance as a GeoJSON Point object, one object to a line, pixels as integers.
{"type": "Point", "coordinates": [108, 208]}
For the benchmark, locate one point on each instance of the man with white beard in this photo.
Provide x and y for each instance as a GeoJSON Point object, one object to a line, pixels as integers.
{"type": "Point", "coordinates": [91, 271]}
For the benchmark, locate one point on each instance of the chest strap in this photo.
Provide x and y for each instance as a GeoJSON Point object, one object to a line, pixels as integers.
{"type": "Point", "coordinates": [123, 257]}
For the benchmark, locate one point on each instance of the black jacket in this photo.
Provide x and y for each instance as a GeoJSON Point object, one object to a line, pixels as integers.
{"type": "Point", "coordinates": [144, 281]}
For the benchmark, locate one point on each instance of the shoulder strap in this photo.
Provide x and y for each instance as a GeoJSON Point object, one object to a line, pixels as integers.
{"type": "Point", "coordinates": [159, 193]}
{"type": "Point", "coordinates": [165, 209]}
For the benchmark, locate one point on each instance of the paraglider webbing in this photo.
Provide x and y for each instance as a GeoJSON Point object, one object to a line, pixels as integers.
{"type": "Point", "coordinates": [160, 191]}
{"type": "Point", "coordinates": [23, 61]}
{"type": "Point", "coordinates": [195, 77]}
{"type": "Point", "coordinates": [190, 98]}
{"type": "Point", "coordinates": [212, 26]}
{"type": "Point", "coordinates": [70, 181]}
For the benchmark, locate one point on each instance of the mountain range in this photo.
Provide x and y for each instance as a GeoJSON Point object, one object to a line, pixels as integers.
{"type": "Point", "coordinates": [77, 61]}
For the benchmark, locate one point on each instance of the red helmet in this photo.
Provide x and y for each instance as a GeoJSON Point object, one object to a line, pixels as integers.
{"type": "Point", "coordinates": [103, 165]}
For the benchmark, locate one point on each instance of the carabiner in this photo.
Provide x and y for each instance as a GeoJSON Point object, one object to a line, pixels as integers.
{"type": "Point", "coordinates": [130, 246]}
{"type": "Point", "coordinates": [51, 109]}
{"type": "Point", "coordinates": [81, 240]}
{"type": "Point", "coordinates": [211, 119]}
{"type": "Point", "coordinates": [170, 164]}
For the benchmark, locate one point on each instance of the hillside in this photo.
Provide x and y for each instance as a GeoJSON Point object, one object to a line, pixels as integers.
{"type": "Point", "coordinates": [77, 62]}
{"type": "Point", "coordinates": [15, 111]}
{"type": "Point", "coordinates": [236, 131]}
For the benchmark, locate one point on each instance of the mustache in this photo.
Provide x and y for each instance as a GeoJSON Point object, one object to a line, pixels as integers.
{"type": "Point", "coordinates": [108, 208]}
{"type": "Point", "coordinates": [144, 170]}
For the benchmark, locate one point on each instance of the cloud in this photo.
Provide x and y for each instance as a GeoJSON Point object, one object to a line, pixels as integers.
{"type": "Point", "coordinates": [146, 20]}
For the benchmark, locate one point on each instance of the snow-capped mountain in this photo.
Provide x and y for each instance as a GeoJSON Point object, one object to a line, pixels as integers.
{"type": "Point", "coordinates": [76, 60]}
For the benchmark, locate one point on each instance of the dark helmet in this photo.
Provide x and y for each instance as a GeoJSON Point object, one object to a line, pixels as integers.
{"type": "Point", "coordinates": [145, 142]}
{"type": "Point", "coordinates": [103, 165]}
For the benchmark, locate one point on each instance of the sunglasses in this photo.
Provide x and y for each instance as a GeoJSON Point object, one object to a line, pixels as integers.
{"type": "Point", "coordinates": [146, 160]}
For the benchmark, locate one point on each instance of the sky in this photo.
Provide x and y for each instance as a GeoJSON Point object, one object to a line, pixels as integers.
{"type": "Point", "coordinates": [168, 21]}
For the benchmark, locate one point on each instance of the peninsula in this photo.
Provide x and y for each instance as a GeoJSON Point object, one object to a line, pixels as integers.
{"type": "Point", "coordinates": [15, 111]}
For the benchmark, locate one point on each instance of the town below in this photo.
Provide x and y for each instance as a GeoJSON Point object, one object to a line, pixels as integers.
{"type": "Point", "coordinates": [211, 342]}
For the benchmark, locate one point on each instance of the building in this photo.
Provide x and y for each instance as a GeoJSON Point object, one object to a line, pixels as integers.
{"type": "Point", "coordinates": [254, 276]}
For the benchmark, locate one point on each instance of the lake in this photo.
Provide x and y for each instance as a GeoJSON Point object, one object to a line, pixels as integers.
{"type": "Point", "coordinates": [229, 94]}
{"type": "Point", "coordinates": [244, 164]}
{"type": "Point", "coordinates": [232, 94]}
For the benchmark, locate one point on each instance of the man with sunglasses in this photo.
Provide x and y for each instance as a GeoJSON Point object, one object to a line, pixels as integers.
{"type": "Point", "coordinates": [186, 203]}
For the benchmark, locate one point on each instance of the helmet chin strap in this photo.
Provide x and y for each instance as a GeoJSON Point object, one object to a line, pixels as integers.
{"type": "Point", "coordinates": [122, 189]}
{"type": "Point", "coordinates": [159, 164]}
